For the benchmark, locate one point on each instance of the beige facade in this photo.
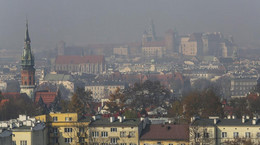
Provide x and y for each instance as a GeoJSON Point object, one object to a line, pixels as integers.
{"type": "Point", "coordinates": [156, 51]}
{"type": "Point", "coordinates": [189, 48]}
{"type": "Point", "coordinates": [123, 51]}
{"type": "Point", "coordinates": [114, 131]}
{"type": "Point", "coordinates": [215, 131]}
{"type": "Point", "coordinates": [65, 128]}
{"type": "Point", "coordinates": [101, 91]}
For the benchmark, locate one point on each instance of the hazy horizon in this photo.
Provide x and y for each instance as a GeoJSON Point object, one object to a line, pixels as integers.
{"type": "Point", "coordinates": [85, 22]}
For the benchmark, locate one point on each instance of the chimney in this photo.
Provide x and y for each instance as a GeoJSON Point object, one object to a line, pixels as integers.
{"type": "Point", "coordinates": [112, 119]}
{"type": "Point", "coordinates": [247, 117]}
{"type": "Point", "coordinates": [215, 121]}
{"type": "Point", "coordinates": [228, 117]}
{"type": "Point", "coordinates": [243, 120]}
{"type": "Point", "coordinates": [233, 117]}
{"type": "Point", "coordinates": [121, 118]}
{"type": "Point", "coordinates": [94, 117]}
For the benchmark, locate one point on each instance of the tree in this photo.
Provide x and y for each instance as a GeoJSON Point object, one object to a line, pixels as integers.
{"type": "Point", "coordinates": [76, 105]}
{"type": "Point", "coordinates": [116, 101]}
{"type": "Point", "coordinates": [81, 102]}
{"type": "Point", "coordinates": [147, 94]}
{"type": "Point", "coordinates": [19, 105]}
{"type": "Point", "coordinates": [240, 107]}
{"type": "Point", "coordinates": [202, 103]}
{"type": "Point", "coordinates": [87, 100]}
{"type": "Point", "coordinates": [176, 110]}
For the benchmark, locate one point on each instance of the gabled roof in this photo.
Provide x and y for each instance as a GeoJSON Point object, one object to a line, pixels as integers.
{"type": "Point", "coordinates": [47, 97]}
{"type": "Point", "coordinates": [165, 132]}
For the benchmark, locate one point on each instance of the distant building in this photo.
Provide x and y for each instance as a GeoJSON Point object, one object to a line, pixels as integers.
{"type": "Point", "coordinates": [80, 64]}
{"type": "Point", "coordinates": [149, 34]}
{"type": "Point", "coordinates": [102, 90]}
{"type": "Point", "coordinates": [121, 51]}
{"type": "Point", "coordinates": [28, 71]}
{"type": "Point", "coordinates": [154, 49]}
{"type": "Point", "coordinates": [56, 79]}
{"type": "Point", "coordinates": [191, 45]}
{"type": "Point", "coordinates": [241, 86]}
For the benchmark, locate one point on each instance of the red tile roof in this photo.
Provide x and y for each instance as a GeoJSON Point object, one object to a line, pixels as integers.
{"type": "Point", "coordinates": [73, 59]}
{"type": "Point", "coordinates": [47, 97]}
{"type": "Point", "coordinates": [166, 132]}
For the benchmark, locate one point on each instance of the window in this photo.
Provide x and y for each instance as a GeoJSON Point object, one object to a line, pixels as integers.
{"type": "Point", "coordinates": [170, 144]}
{"type": "Point", "coordinates": [104, 134]}
{"type": "Point", "coordinates": [122, 143]}
{"type": "Point", "coordinates": [113, 129]}
{"type": "Point", "coordinates": [68, 140]}
{"type": "Point", "coordinates": [258, 135]}
{"type": "Point", "coordinates": [224, 134]}
{"type": "Point", "coordinates": [247, 135]}
{"type": "Point", "coordinates": [113, 141]}
{"type": "Point", "coordinates": [81, 139]}
{"type": "Point", "coordinates": [95, 134]}
{"type": "Point", "coordinates": [68, 118]}
{"type": "Point", "coordinates": [67, 129]}
{"type": "Point", "coordinates": [55, 119]}
{"type": "Point", "coordinates": [159, 143]}
{"type": "Point", "coordinates": [23, 142]}
{"type": "Point", "coordinates": [13, 142]}
{"type": "Point", "coordinates": [122, 134]}
{"type": "Point", "coordinates": [206, 135]}
{"type": "Point", "coordinates": [55, 140]}
{"type": "Point", "coordinates": [132, 144]}
{"type": "Point", "coordinates": [104, 144]}
{"type": "Point", "coordinates": [197, 135]}
{"type": "Point", "coordinates": [132, 134]}
{"type": "Point", "coordinates": [235, 134]}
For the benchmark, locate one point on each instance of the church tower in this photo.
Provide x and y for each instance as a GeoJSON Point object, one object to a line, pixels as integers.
{"type": "Point", "coordinates": [28, 71]}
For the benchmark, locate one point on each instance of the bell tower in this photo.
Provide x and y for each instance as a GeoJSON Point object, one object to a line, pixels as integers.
{"type": "Point", "coordinates": [28, 71]}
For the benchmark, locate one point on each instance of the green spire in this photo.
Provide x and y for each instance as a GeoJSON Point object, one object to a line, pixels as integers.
{"type": "Point", "coordinates": [27, 56]}
{"type": "Point", "coordinates": [27, 37]}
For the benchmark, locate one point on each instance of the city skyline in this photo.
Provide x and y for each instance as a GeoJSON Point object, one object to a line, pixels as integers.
{"type": "Point", "coordinates": [84, 22]}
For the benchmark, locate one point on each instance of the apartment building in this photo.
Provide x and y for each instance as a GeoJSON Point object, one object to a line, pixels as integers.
{"type": "Point", "coordinates": [215, 131]}
{"type": "Point", "coordinates": [121, 131]}
{"type": "Point", "coordinates": [241, 86]}
{"type": "Point", "coordinates": [66, 128]}
{"type": "Point", "coordinates": [25, 131]}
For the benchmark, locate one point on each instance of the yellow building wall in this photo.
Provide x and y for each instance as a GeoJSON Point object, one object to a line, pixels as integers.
{"type": "Point", "coordinates": [126, 139]}
{"type": "Point", "coordinates": [61, 124]}
{"type": "Point", "coordinates": [22, 136]}
{"type": "Point", "coordinates": [241, 130]}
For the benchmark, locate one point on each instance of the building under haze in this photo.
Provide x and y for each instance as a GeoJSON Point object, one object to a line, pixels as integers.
{"type": "Point", "coordinates": [28, 71]}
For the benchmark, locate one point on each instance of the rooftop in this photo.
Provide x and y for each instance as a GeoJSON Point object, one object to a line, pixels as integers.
{"type": "Point", "coordinates": [165, 132]}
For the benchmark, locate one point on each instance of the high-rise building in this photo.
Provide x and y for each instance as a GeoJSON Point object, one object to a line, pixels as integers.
{"type": "Point", "coordinates": [28, 71]}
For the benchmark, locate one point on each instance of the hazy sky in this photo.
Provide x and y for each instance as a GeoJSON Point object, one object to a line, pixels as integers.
{"type": "Point", "coordinates": [80, 22]}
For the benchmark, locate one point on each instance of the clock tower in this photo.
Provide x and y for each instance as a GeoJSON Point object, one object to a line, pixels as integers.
{"type": "Point", "coordinates": [28, 71]}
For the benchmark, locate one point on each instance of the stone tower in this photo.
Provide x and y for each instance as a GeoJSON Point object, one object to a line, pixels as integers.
{"type": "Point", "coordinates": [149, 34]}
{"type": "Point", "coordinates": [28, 71]}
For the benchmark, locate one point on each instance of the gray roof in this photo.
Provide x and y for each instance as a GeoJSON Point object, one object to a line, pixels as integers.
{"type": "Point", "coordinates": [225, 122]}
{"type": "Point", "coordinates": [105, 122]}
{"type": "Point", "coordinates": [5, 133]}
{"type": "Point", "coordinates": [58, 77]}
